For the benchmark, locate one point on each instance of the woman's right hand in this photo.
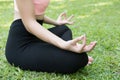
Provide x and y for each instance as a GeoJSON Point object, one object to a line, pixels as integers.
{"type": "Point", "coordinates": [74, 46]}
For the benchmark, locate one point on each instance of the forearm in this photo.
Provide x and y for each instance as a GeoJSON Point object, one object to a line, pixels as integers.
{"type": "Point", "coordinates": [39, 31]}
{"type": "Point", "coordinates": [48, 20]}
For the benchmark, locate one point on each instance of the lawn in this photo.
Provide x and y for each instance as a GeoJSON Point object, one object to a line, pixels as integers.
{"type": "Point", "coordinates": [98, 19]}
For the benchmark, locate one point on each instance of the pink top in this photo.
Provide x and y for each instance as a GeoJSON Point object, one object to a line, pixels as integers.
{"type": "Point", "coordinates": [39, 6]}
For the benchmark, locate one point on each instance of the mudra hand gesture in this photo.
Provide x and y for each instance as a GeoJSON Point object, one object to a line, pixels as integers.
{"type": "Point", "coordinates": [73, 45]}
{"type": "Point", "coordinates": [62, 19]}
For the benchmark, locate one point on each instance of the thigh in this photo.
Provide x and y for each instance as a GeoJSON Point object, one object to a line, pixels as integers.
{"type": "Point", "coordinates": [62, 31]}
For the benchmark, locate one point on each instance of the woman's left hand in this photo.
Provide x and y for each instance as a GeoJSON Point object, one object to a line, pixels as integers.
{"type": "Point", "coordinates": [62, 19]}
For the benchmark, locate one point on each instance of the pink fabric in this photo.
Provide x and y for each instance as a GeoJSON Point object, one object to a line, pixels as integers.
{"type": "Point", "coordinates": [40, 6]}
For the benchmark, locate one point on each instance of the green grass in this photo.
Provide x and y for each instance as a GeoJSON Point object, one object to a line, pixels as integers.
{"type": "Point", "coordinates": [98, 19]}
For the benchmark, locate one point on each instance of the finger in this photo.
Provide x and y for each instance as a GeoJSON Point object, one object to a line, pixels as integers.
{"type": "Point", "coordinates": [70, 17]}
{"type": "Point", "coordinates": [90, 47]}
{"type": "Point", "coordinates": [83, 44]}
{"type": "Point", "coordinates": [84, 41]}
{"type": "Point", "coordinates": [94, 44]}
{"type": "Point", "coordinates": [64, 16]}
{"type": "Point", "coordinates": [72, 22]}
{"type": "Point", "coordinates": [63, 13]}
{"type": "Point", "coordinates": [81, 47]}
{"type": "Point", "coordinates": [74, 41]}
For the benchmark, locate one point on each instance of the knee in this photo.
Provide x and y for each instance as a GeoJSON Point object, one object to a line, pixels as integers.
{"type": "Point", "coordinates": [74, 64]}
{"type": "Point", "coordinates": [79, 61]}
{"type": "Point", "coordinates": [64, 27]}
{"type": "Point", "coordinates": [84, 59]}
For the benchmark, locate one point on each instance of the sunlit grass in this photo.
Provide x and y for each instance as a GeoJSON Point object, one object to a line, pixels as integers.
{"type": "Point", "coordinates": [98, 19]}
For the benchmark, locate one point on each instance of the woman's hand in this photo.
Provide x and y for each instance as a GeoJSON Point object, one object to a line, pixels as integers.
{"type": "Point", "coordinates": [62, 19]}
{"type": "Point", "coordinates": [73, 45]}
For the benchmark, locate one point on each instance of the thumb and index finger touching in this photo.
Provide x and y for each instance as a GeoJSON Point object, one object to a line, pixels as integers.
{"type": "Point", "coordinates": [81, 38]}
{"type": "Point", "coordinates": [63, 14]}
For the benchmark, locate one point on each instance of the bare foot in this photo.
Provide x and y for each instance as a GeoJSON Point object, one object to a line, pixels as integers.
{"type": "Point", "coordinates": [90, 60]}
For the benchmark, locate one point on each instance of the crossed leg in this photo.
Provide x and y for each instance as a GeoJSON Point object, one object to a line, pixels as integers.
{"type": "Point", "coordinates": [65, 33]}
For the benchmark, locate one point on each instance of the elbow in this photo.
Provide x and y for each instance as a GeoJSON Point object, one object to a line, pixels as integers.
{"type": "Point", "coordinates": [28, 24]}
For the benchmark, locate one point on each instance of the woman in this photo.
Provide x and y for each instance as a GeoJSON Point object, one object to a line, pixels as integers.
{"type": "Point", "coordinates": [32, 47]}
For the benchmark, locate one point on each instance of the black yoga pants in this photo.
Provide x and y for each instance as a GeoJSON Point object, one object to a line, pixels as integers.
{"type": "Point", "coordinates": [27, 52]}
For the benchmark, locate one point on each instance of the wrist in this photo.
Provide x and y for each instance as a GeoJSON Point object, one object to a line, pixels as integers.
{"type": "Point", "coordinates": [62, 44]}
{"type": "Point", "coordinates": [56, 23]}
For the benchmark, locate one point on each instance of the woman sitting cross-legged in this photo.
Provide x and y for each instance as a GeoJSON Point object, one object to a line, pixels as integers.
{"type": "Point", "coordinates": [30, 46]}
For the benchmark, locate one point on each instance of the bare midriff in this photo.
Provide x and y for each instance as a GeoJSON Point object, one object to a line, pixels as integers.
{"type": "Point", "coordinates": [17, 16]}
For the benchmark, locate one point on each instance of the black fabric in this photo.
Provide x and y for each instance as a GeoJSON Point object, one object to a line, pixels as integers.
{"type": "Point", "coordinates": [26, 51]}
